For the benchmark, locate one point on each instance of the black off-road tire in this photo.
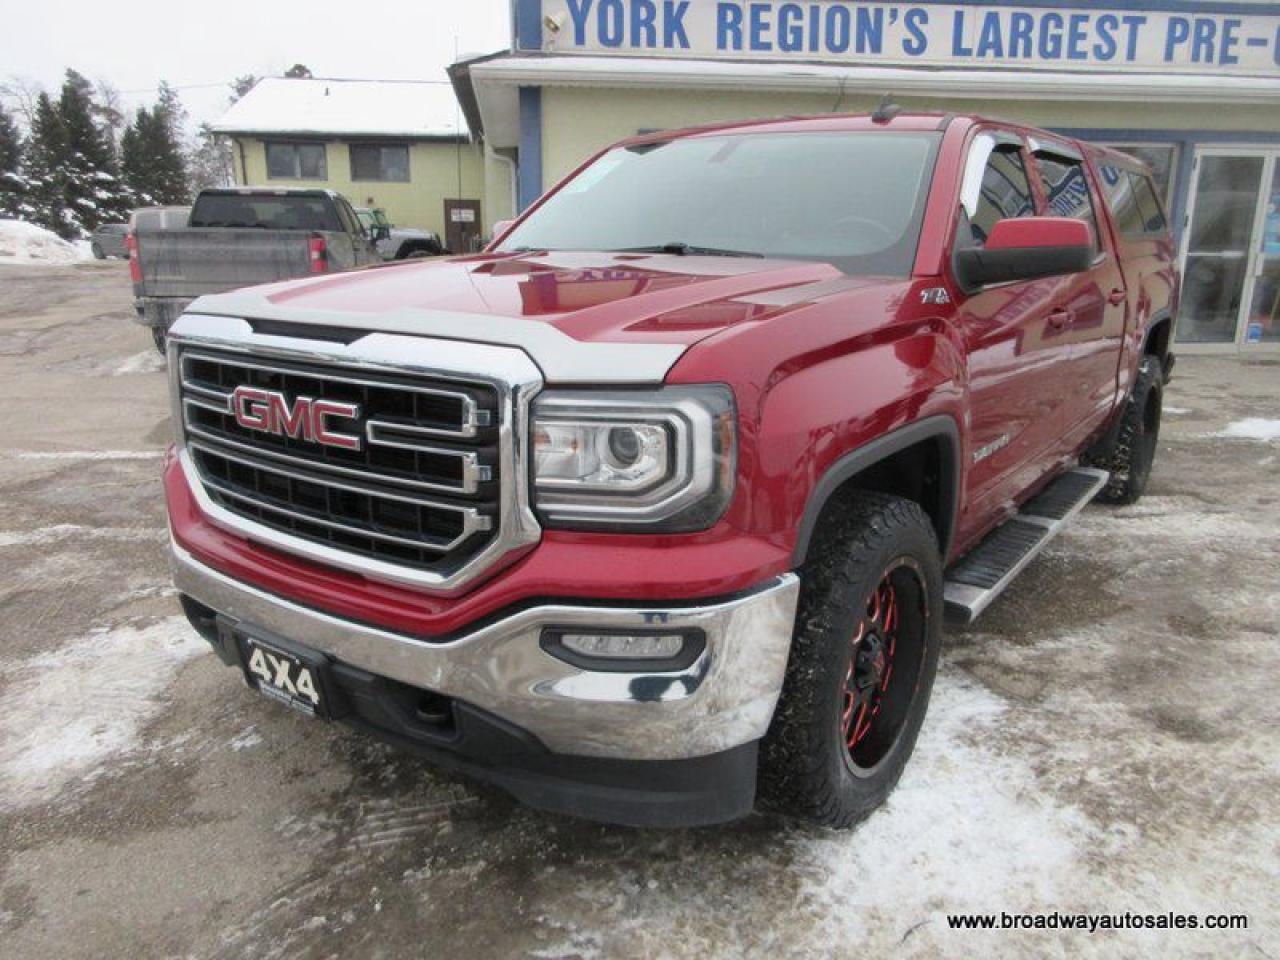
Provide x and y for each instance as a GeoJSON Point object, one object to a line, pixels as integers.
{"type": "Point", "coordinates": [1134, 450]}
{"type": "Point", "coordinates": [807, 768]}
{"type": "Point", "coordinates": [160, 340]}
{"type": "Point", "coordinates": [96, 250]}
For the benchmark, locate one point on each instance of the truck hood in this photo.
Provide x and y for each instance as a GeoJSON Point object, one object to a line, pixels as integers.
{"type": "Point", "coordinates": [657, 304]}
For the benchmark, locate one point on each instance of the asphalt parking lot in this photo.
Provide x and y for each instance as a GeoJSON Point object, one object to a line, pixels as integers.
{"type": "Point", "coordinates": [1106, 739]}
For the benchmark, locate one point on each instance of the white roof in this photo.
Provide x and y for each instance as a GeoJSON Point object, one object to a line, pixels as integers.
{"type": "Point", "coordinates": [281, 105]}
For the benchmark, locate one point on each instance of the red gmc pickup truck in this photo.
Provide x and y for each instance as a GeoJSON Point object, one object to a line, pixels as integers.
{"type": "Point", "coordinates": [654, 510]}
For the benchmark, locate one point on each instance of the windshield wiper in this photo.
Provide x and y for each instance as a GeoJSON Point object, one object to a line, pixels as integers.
{"type": "Point", "coordinates": [682, 249]}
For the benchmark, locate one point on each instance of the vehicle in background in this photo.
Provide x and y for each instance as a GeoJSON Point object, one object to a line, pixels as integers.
{"type": "Point", "coordinates": [150, 219]}
{"type": "Point", "coordinates": [109, 240]}
{"type": "Point", "coordinates": [397, 243]}
{"type": "Point", "coordinates": [658, 505]}
{"type": "Point", "coordinates": [238, 237]}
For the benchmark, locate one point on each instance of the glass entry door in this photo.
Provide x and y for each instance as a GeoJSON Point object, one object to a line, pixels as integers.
{"type": "Point", "coordinates": [1231, 250]}
{"type": "Point", "coordinates": [1262, 325]}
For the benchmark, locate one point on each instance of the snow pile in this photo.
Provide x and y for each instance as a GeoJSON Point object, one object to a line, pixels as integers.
{"type": "Point", "coordinates": [66, 713]}
{"type": "Point", "coordinates": [149, 361]}
{"type": "Point", "coordinates": [1253, 428]}
{"type": "Point", "coordinates": [22, 242]}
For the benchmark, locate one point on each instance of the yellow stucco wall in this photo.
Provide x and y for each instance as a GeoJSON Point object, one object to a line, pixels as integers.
{"type": "Point", "coordinates": [578, 121]}
{"type": "Point", "coordinates": [433, 176]}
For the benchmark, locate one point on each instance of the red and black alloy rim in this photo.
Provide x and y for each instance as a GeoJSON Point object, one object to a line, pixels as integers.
{"type": "Point", "coordinates": [886, 654]}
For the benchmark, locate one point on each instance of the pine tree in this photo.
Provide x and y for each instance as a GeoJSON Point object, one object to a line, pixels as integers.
{"type": "Point", "coordinates": [135, 162]}
{"type": "Point", "coordinates": [92, 191]}
{"type": "Point", "coordinates": [46, 153]}
{"type": "Point", "coordinates": [10, 143]}
{"type": "Point", "coordinates": [12, 184]}
{"type": "Point", "coordinates": [151, 160]}
{"type": "Point", "coordinates": [240, 86]}
{"type": "Point", "coordinates": [170, 117]}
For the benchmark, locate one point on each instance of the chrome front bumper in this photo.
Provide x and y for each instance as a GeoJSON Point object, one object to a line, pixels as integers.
{"type": "Point", "coordinates": [722, 700]}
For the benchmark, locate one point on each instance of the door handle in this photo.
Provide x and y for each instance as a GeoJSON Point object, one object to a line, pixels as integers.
{"type": "Point", "coordinates": [1115, 297]}
{"type": "Point", "coordinates": [1060, 318]}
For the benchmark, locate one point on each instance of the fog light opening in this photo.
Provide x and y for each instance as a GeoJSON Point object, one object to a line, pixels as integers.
{"type": "Point", "coordinates": [626, 651]}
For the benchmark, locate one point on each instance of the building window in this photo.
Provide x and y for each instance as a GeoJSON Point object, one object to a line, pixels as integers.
{"type": "Point", "coordinates": [296, 161]}
{"type": "Point", "coordinates": [374, 161]}
{"type": "Point", "coordinates": [1162, 158]}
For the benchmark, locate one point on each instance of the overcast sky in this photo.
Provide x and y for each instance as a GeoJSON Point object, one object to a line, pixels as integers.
{"type": "Point", "coordinates": [199, 47]}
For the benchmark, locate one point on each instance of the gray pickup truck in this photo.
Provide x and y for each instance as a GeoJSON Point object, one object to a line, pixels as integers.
{"type": "Point", "coordinates": [238, 237]}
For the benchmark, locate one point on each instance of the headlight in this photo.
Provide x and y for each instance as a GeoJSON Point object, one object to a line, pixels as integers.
{"type": "Point", "coordinates": [658, 460]}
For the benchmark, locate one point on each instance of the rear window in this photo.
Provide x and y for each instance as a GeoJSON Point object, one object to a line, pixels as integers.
{"type": "Point", "coordinates": [265, 212]}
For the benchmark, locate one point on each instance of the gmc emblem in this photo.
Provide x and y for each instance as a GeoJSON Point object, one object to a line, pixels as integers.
{"type": "Point", "coordinates": [269, 411]}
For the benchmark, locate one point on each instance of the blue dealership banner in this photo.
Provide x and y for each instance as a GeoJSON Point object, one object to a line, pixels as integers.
{"type": "Point", "coordinates": [1239, 38]}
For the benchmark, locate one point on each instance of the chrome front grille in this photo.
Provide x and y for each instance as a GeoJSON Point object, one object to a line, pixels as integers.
{"type": "Point", "coordinates": [412, 434]}
{"type": "Point", "coordinates": [418, 477]}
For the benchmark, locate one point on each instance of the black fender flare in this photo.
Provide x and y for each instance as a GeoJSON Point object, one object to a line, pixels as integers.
{"type": "Point", "coordinates": [1159, 317]}
{"type": "Point", "coordinates": [941, 428]}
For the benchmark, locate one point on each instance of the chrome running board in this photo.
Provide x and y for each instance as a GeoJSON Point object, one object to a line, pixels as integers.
{"type": "Point", "coordinates": [982, 574]}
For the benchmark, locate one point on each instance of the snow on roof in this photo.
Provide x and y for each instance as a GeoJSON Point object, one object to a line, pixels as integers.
{"type": "Point", "coordinates": [280, 105]}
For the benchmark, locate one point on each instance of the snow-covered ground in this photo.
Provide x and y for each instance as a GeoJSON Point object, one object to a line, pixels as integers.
{"type": "Point", "coordinates": [25, 243]}
{"type": "Point", "coordinates": [93, 695]}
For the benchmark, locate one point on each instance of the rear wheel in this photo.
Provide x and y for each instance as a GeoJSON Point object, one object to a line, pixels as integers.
{"type": "Point", "coordinates": [160, 340]}
{"type": "Point", "coordinates": [1130, 459]}
{"type": "Point", "coordinates": [862, 663]}
{"type": "Point", "coordinates": [96, 250]}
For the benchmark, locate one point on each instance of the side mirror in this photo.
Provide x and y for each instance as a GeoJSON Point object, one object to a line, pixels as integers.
{"type": "Point", "coordinates": [500, 227]}
{"type": "Point", "coordinates": [1024, 248]}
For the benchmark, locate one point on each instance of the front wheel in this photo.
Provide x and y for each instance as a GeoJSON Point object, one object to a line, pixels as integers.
{"type": "Point", "coordinates": [862, 663]}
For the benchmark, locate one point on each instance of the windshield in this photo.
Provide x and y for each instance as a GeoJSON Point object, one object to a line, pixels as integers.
{"type": "Point", "coordinates": [852, 199]}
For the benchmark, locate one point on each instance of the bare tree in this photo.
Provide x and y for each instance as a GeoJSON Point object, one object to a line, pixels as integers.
{"type": "Point", "coordinates": [108, 110]}
{"type": "Point", "coordinates": [23, 93]}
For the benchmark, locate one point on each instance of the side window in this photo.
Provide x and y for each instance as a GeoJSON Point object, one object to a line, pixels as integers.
{"type": "Point", "coordinates": [1152, 216]}
{"type": "Point", "coordinates": [347, 218]}
{"type": "Point", "coordinates": [1122, 200]}
{"type": "Point", "coordinates": [995, 188]}
{"type": "Point", "coordinates": [1067, 188]}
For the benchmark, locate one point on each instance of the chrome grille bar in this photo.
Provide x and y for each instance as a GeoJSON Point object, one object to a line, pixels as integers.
{"type": "Point", "coordinates": [469, 422]}
{"type": "Point", "coordinates": [472, 520]}
{"type": "Point", "coordinates": [471, 471]}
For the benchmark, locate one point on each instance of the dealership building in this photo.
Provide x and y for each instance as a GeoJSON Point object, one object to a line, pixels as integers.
{"type": "Point", "coordinates": [1193, 88]}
